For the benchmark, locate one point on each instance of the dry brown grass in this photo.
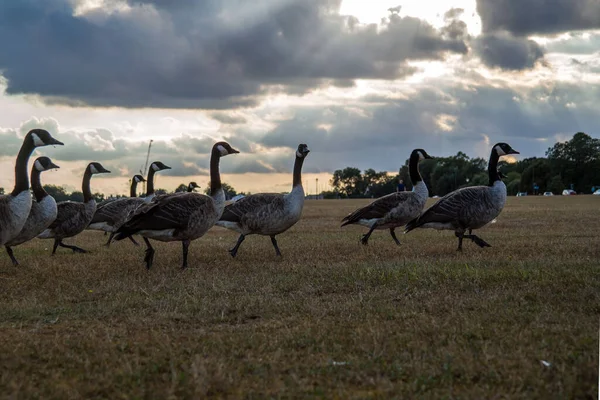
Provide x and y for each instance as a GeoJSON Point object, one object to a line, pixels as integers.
{"type": "Point", "coordinates": [331, 319]}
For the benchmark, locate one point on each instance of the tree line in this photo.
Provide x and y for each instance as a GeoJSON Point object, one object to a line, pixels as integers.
{"type": "Point", "coordinates": [574, 164]}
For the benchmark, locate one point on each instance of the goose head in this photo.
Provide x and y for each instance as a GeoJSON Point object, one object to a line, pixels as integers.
{"type": "Point", "coordinates": [41, 137]}
{"type": "Point", "coordinates": [138, 179]}
{"type": "Point", "coordinates": [94, 168]}
{"type": "Point", "coordinates": [193, 185]}
{"type": "Point", "coordinates": [44, 164]}
{"type": "Point", "coordinates": [503, 149]}
{"type": "Point", "coordinates": [422, 154]}
{"type": "Point", "coordinates": [223, 149]}
{"type": "Point", "coordinates": [302, 150]}
{"type": "Point", "coordinates": [158, 166]}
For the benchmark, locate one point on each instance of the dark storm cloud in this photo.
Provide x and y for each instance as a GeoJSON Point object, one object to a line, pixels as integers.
{"type": "Point", "coordinates": [526, 17]}
{"type": "Point", "coordinates": [502, 50]}
{"type": "Point", "coordinates": [201, 54]}
{"type": "Point", "coordinates": [383, 135]}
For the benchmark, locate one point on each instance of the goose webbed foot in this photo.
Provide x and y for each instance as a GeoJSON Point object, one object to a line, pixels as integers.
{"type": "Point", "coordinates": [235, 248]}
{"type": "Point", "coordinates": [149, 257]}
{"type": "Point", "coordinates": [185, 245]}
{"type": "Point", "coordinates": [9, 251]}
{"type": "Point", "coordinates": [478, 241]}
{"type": "Point", "coordinates": [74, 248]}
{"type": "Point", "coordinates": [393, 234]}
{"type": "Point", "coordinates": [274, 241]}
{"type": "Point", "coordinates": [110, 238]}
{"type": "Point", "coordinates": [365, 238]}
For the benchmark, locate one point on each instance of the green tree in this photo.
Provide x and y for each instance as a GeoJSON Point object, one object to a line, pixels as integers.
{"type": "Point", "coordinates": [347, 181]}
{"type": "Point", "coordinates": [577, 161]}
{"type": "Point", "coordinates": [181, 188]}
{"type": "Point", "coordinates": [555, 185]}
{"type": "Point", "coordinates": [58, 192]}
{"type": "Point", "coordinates": [1, 190]}
{"type": "Point", "coordinates": [228, 189]}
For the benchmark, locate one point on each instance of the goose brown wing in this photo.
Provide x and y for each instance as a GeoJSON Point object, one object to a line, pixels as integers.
{"type": "Point", "coordinates": [67, 210]}
{"type": "Point", "coordinates": [378, 208]}
{"type": "Point", "coordinates": [169, 212]}
{"type": "Point", "coordinates": [113, 211]}
{"type": "Point", "coordinates": [456, 206]}
{"type": "Point", "coordinates": [250, 204]}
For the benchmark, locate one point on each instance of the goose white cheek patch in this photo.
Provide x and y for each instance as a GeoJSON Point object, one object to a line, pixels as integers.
{"type": "Point", "coordinates": [154, 167]}
{"type": "Point", "coordinates": [499, 151]}
{"type": "Point", "coordinates": [222, 150]}
{"type": "Point", "coordinates": [93, 169]}
{"type": "Point", "coordinates": [298, 154]}
{"type": "Point", "coordinates": [38, 166]}
{"type": "Point", "coordinates": [37, 141]}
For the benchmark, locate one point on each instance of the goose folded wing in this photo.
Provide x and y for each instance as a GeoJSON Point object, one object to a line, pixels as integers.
{"type": "Point", "coordinates": [455, 206]}
{"type": "Point", "coordinates": [67, 210]}
{"type": "Point", "coordinates": [114, 210]}
{"type": "Point", "coordinates": [378, 208]}
{"type": "Point", "coordinates": [251, 204]}
{"type": "Point", "coordinates": [172, 212]}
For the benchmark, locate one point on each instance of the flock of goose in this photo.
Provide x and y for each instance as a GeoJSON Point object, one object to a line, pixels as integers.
{"type": "Point", "coordinates": [186, 216]}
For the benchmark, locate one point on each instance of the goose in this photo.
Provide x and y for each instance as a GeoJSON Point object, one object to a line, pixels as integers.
{"type": "Point", "coordinates": [182, 217]}
{"type": "Point", "coordinates": [43, 209]}
{"type": "Point", "coordinates": [155, 167]}
{"type": "Point", "coordinates": [267, 214]}
{"type": "Point", "coordinates": [15, 207]}
{"type": "Point", "coordinates": [73, 217]}
{"type": "Point", "coordinates": [112, 215]}
{"type": "Point", "coordinates": [395, 209]}
{"type": "Point", "coordinates": [193, 185]}
{"type": "Point", "coordinates": [468, 208]}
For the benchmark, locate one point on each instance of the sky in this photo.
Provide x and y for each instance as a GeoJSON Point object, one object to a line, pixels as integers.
{"type": "Point", "coordinates": [361, 83]}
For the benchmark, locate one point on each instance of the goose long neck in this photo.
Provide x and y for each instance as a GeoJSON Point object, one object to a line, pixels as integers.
{"type": "Point", "coordinates": [36, 185]}
{"type": "Point", "coordinates": [133, 188]}
{"type": "Point", "coordinates": [150, 182]}
{"type": "Point", "coordinates": [21, 177]}
{"type": "Point", "coordinates": [298, 172]}
{"type": "Point", "coordinates": [413, 169]}
{"type": "Point", "coordinates": [215, 176]}
{"type": "Point", "coordinates": [85, 186]}
{"type": "Point", "coordinates": [493, 168]}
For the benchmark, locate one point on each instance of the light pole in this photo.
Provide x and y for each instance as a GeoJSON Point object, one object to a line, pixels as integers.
{"type": "Point", "coordinates": [317, 188]}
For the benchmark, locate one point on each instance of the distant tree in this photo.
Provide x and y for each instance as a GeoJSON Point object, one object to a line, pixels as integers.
{"type": "Point", "coordinates": [555, 185]}
{"type": "Point", "coordinates": [76, 196]}
{"type": "Point", "coordinates": [160, 191]}
{"type": "Point", "coordinates": [577, 161]}
{"type": "Point", "coordinates": [181, 188]}
{"type": "Point", "coordinates": [58, 192]}
{"type": "Point", "coordinates": [1, 190]}
{"type": "Point", "coordinates": [228, 189]}
{"type": "Point", "coordinates": [347, 182]}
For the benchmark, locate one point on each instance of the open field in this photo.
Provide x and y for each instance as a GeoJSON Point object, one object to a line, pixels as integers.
{"type": "Point", "coordinates": [331, 319]}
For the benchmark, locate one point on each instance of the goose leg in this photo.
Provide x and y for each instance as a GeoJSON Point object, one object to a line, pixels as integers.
{"type": "Point", "coordinates": [478, 241]}
{"type": "Point", "coordinates": [133, 241]}
{"type": "Point", "coordinates": [234, 251]}
{"type": "Point", "coordinates": [74, 248]}
{"type": "Point", "coordinates": [274, 241]}
{"type": "Point", "coordinates": [185, 245]}
{"type": "Point", "coordinates": [393, 233]}
{"type": "Point", "coordinates": [110, 238]}
{"type": "Point", "coordinates": [149, 258]}
{"type": "Point", "coordinates": [56, 243]}
{"type": "Point", "coordinates": [11, 255]}
{"type": "Point", "coordinates": [459, 235]}
{"type": "Point", "coordinates": [365, 238]}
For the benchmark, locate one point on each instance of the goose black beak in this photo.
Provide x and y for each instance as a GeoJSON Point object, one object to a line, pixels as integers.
{"type": "Point", "coordinates": [234, 151]}
{"type": "Point", "coordinates": [53, 141]}
{"type": "Point", "coordinates": [513, 151]}
{"type": "Point", "coordinates": [53, 166]}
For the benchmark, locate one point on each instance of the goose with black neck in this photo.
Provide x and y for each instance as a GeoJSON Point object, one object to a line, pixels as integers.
{"type": "Point", "coordinates": [469, 208]}
{"type": "Point", "coordinates": [43, 208]}
{"type": "Point", "coordinates": [73, 216]}
{"type": "Point", "coordinates": [111, 216]}
{"type": "Point", "coordinates": [395, 209]}
{"type": "Point", "coordinates": [182, 217]}
{"type": "Point", "coordinates": [267, 214]}
{"type": "Point", "coordinates": [15, 207]}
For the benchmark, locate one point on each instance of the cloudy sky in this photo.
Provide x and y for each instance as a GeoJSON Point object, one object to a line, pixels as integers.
{"type": "Point", "coordinates": [361, 82]}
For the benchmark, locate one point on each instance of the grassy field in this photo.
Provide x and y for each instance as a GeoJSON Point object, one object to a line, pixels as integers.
{"type": "Point", "coordinates": [331, 319]}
